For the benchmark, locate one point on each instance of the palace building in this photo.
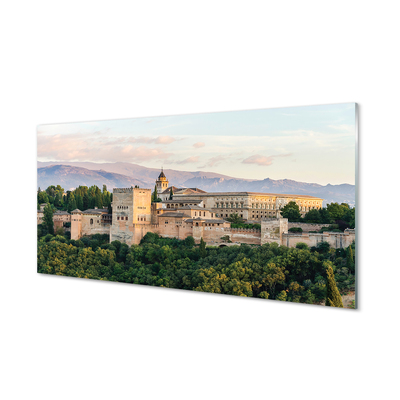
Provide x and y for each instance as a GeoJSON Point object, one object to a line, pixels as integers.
{"type": "Point", "coordinates": [164, 191]}
{"type": "Point", "coordinates": [194, 212]}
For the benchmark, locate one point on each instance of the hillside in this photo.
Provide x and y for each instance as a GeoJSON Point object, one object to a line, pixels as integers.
{"type": "Point", "coordinates": [147, 175]}
{"type": "Point", "coordinates": [71, 175]}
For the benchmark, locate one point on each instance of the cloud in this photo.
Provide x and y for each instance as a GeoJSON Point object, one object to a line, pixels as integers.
{"type": "Point", "coordinates": [262, 160]}
{"type": "Point", "coordinates": [157, 140]}
{"type": "Point", "coordinates": [343, 128]}
{"type": "Point", "coordinates": [188, 160]}
{"type": "Point", "coordinates": [164, 140]}
{"type": "Point", "coordinates": [258, 159]}
{"type": "Point", "coordinates": [214, 161]}
{"type": "Point", "coordinates": [84, 148]}
{"type": "Point", "coordinates": [198, 145]}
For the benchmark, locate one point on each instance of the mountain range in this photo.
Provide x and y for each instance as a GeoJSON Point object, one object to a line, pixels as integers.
{"type": "Point", "coordinates": [120, 174]}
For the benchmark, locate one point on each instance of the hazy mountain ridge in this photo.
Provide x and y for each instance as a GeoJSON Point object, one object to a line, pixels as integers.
{"type": "Point", "coordinates": [71, 175]}
{"type": "Point", "coordinates": [148, 175]}
{"type": "Point", "coordinates": [330, 193]}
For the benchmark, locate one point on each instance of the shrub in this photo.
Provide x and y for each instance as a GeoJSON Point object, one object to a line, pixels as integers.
{"type": "Point", "coordinates": [281, 296]}
{"type": "Point", "coordinates": [323, 247]}
{"type": "Point", "coordinates": [302, 246]}
{"type": "Point", "coordinates": [295, 230]}
{"type": "Point", "coordinates": [245, 226]}
{"type": "Point", "coordinates": [59, 231]}
{"type": "Point", "coordinates": [189, 242]}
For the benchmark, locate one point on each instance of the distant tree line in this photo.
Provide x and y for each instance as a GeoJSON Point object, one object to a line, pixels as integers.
{"type": "Point", "coordinates": [239, 223]}
{"type": "Point", "coordinates": [342, 215]}
{"type": "Point", "coordinates": [82, 198]}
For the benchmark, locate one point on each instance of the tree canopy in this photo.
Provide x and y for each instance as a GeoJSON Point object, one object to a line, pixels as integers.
{"type": "Point", "coordinates": [82, 197]}
{"type": "Point", "coordinates": [268, 271]}
{"type": "Point", "coordinates": [291, 211]}
{"type": "Point", "coordinates": [48, 218]}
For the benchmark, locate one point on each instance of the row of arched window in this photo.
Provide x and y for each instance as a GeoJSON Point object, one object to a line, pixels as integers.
{"type": "Point", "coordinates": [230, 205]}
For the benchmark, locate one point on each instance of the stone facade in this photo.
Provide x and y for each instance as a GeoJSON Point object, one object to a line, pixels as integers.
{"type": "Point", "coordinates": [131, 207]}
{"type": "Point", "coordinates": [193, 212]}
{"type": "Point", "coordinates": [90, 222]}
{"type": "Point", "coordinates": [60, 218]}
{"type": "Point", "coordinates": [272, 230]}
{"type": "Point", "coordinates": [250, 205]}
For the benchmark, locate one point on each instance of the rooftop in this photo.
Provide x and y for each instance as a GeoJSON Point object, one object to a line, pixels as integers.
{"type": "Point", "coordinates": [162, 175]}
{"type": "Point", "coordinates": [187, 207]}
{"type": "Point", "coordinates": [172, 214]}
{"type": "Point", "coordinates": [183, 201]}
{"type": "Point", "coordinates": [96, 211]}
{"type": "Point", "coordinates": [255, 194]}
{"type": "Point", "coordinates": [177, 190]}
{"type": "Point", "coordinates": [209, 221]}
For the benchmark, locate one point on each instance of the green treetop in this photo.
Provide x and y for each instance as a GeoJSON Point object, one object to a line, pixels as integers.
{"type": "Point", "coordinates": [203, 251]}
{"type": "Point", "coordinates": [48, 218]}
{"type": "Point", "coordinates": [291, 211]}
{"type": "Point", "coordinates": [333, 298]}
{"type": "Point", "coordinates": [71, 203]}
{"type": "Point", "coordinates": [313, 216]}
{"type": "Point", "coordinates": [235, 219]}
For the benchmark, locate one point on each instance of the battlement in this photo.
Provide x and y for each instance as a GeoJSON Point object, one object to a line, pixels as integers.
{"type": "Point", "coordinates": [147, 226]}
{"type": "Point", "coordinates": [242, 230]}
{"type": "Point", "coordinates": [129, 190]}
{"type": "Point", "coordinates": [335, 239]}
{"type": "Point", "coordinates": [122, 190]}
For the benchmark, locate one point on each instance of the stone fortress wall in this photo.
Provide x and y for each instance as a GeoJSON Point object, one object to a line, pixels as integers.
{"type": "Point", "coordinates": [336, 240]}
{"type": "Point", "coordinates": [307, 227]}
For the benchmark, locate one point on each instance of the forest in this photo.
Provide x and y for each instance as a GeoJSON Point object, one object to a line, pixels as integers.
{"type": "Point", "coordinates": [82, 197]}
{"type": "Point", "coordinates": [301, 274]}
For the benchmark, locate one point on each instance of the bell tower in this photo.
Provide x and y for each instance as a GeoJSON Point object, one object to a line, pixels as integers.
{"type": "Point", "coordinates": [161, 182]}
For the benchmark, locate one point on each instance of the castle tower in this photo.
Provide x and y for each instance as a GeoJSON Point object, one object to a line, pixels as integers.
{"type": "Point", "coordinates": [161, 182]}
{"type": "Point", "coordinates": [131, 207]}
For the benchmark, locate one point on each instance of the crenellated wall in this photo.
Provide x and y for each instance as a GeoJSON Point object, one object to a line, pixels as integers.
{"type": "Point", "coordinates": [248, 236]}
{"type": "Point", "coordinates": [273, 229]}
{"type": "Point", "coordinates": [336, 240]}
{"type": "Point", "coordinates": [307, 227]}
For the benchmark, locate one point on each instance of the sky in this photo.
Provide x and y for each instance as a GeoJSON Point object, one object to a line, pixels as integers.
{"type": "Point", "coordinates": [314, 144]}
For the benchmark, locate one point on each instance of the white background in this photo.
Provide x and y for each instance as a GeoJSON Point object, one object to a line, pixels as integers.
{"type": "Point", "coordinates": [64, 338]}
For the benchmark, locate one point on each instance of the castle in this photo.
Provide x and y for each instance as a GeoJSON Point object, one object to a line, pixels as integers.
{"type": "Point", "coordinates": [194, 212]}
